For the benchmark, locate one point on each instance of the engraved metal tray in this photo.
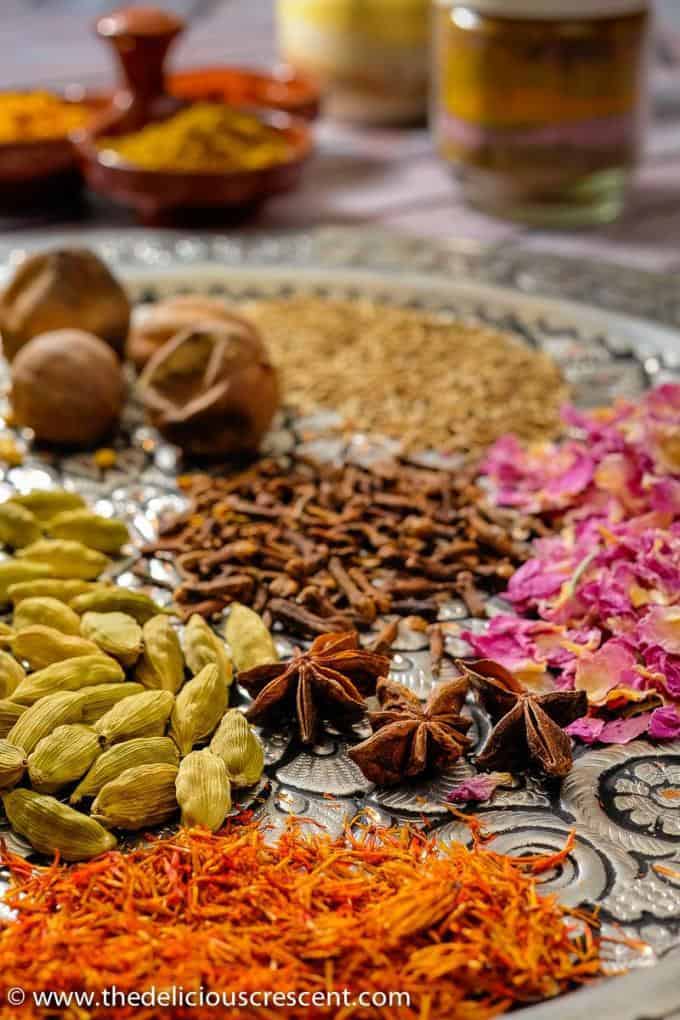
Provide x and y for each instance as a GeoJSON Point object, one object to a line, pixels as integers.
{"type": "Point", "coordinates": [620, 799]}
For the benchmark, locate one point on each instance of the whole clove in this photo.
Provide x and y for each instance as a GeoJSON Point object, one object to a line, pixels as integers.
{"type": "Point", "coordinates": [328, 547]}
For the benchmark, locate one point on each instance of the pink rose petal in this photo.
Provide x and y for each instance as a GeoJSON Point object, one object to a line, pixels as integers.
{"type": "Point", "coordinates": [533, 581]}
{"type": "Point", "coordinates": [622, 731]}
{"type": "Point", "coordinates": [599, 671]}
{"type": "Point", "coordinates": [612, 491]}
{"type": "Point", "coordinates": [665, 724]}
{"type": "Point", "coordinates": [665, 495]}
{"type": "Point", "coordinates": [665, 667]}
{"type": "Point", "coordinates": [661, 626]}
{"type": "Point", "coordinates": [573, 471]}
{"type": "Point", "coordinates": [479, 788]}
{"type": "Point", "coordinates": [587, 729]}
{"type": "Point", "coordinates": [619, 475]}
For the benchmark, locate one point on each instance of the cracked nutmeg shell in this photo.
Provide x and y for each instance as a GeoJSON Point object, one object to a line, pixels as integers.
{"type": "Point", "coordinates": [67, 385]}
{"type": "Point", "coordinates": [70, 288]}
{"type": "Point", "coordinates": [164, 320]}
{"type": "Point", "coordinates": [212, 390]}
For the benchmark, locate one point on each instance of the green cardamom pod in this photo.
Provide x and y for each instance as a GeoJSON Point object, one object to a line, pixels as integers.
{"type": "Point", "coordinates": [139, 798]}
{"type": "Point", "coordinates": [51, 587]}
{"type": "Point", "coordinates": [66, 559]}
{"type": "Point", "coordinates": [203, 790]}
{"type": "Point", "coordinates": [140, 606]}
{"type": "Point", "coordinates": [46, 503]}
{"type": "Point", "coordinates": [142, 715]}
{"type": "Point", "coordinates": [161, 666]}
{"type": "Point", "coordinates": [250, 642]}
{"type": "Point", "coordinates": [69, 675]}
{"type": "Point", "coordinates": [43, 646]}
{"type": "Point", "coordinates": [199, 706]}
{"type": "Point", "coordinates": [9, 714]}
{"type": "Point", "coordinates": [15, 571]}
{"type": "Point", "coordinates": [52, 827]}
{"type": "Point", "coordinates": [11, 674]}
{"type": "Point", "coordinates": [202, 647]}
{"type": "Point", "coordinates": [117, 634]}
{"type": "Point", "coordinates": [12, 764]}
{"type": "Point", "coordinates": [47, 612]}
{"type": "Point", "coordinates": [98, 700]}
{"type": "Point", "coordinates": [18, 526]}
{"type": "Point", "coordinates": [120, 757]}
{"type": "Point", "coordinates": [62, 757]}
{"type": "Point", "coordinates": [105, 534]}
{"type": "Point", "coordinates": [43, 717]}
{"type": "Point", "coordinates": [239, 749]}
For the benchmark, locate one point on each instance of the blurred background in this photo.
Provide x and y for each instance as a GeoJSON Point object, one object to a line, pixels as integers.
{"type": "Point", "coordinates": [48, 39]}
{"type": "Point", "coordinates": [383, 175]}
{"type": "Point", "coordinates": [52, 40]}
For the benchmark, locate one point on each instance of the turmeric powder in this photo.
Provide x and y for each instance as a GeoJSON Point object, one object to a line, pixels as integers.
{"type": "Point", "coordinates": [203, 138]}
{"type": "Point", "coordinates": [38, 116]}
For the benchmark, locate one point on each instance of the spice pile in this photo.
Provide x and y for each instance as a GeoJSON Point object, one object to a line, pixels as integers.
{"type": "Point", "coordinates": [323, 547]}
{"type": "Point", "coordinates": [464, 932]}
{"type": "Point", "coordinates": [94, 696]}
{"type": "Point", "coordinates": [203, 138]}
{"type": "Point", "coordinates": [600, 601]}
{"type": "Point", "coordinates": [214, 379]}
{"type": "Point", "coordinates": [412, 376]}
{"type": "Point", "coordinates": [39, 116]}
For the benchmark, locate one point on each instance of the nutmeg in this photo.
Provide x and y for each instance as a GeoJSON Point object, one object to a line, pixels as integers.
{"type": "Point", "coordinates": [67, 385]}
{"type": "Point", "coordinates": [70, 288]}
{"type": "Point", "coordinates": [212, 390]}
{"type": "Point", "coordinates": [154, 326]}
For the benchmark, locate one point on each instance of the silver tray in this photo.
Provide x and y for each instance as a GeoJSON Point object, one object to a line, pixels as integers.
{"type": "Point", "coordinates": [613, 796]}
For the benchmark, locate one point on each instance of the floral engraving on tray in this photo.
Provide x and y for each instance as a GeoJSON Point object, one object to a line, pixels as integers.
{"type": "Point", "coordinates": [647, 794]}
{"type": "Point", "coordinates": [628, 794]}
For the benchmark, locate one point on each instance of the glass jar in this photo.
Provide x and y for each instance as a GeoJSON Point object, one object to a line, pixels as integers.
{"type": "Point", "coordinates": [371, 57]}
{"type": "Point", "coordinates": [539, 105]}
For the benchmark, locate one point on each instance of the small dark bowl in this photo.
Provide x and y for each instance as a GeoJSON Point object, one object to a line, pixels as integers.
{"type": "Point", "coordinates": [166, 196]}
{"type": "Point", "coordinates": [39, 174]}
{"type": "Point", "coordinates": [282, 88]}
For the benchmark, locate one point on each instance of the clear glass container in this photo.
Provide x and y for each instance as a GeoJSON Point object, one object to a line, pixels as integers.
{"type": "Point", "coordinates": [371, 57]}
{"type": "Point", "coordinates": [539, 105]}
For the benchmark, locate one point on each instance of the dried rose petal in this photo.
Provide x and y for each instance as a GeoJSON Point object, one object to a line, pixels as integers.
{"type": "Point", "coordinates": [665, 495]}
{"type": "Point", "coordinates": [535, 580]}
{"type": "Point", "coordinates": [479, 788]}
{"type": "Point", "coordinates": [587, 729]}
{"type": "Point", "coordinates": [611, 577]}
{"type": "Point", "coordinates": [661, 626]}
{"type": "Point", "coordinates": [665, 723]}
{"type": "Point", "coordinates": [622, 731]}
{"type": "Point", "coordinates": [664, 669]}
{"type": "Point", "coordinates": [597, 673]}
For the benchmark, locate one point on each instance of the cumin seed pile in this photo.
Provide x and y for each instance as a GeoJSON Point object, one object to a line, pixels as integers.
{"type": "Point", "coordinates": [417, 377]}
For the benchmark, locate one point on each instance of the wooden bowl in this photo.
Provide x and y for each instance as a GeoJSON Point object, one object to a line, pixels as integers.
{"type": "Point", "coordinates": [279, 89]}
{"type": "Point", "coordinates": [41, 173]}
{"type": "Point", "coordinates": [166, 196]}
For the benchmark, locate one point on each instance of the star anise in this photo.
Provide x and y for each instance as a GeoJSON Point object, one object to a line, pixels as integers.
{"type": "Point", "coordinates": [528, 728]}
{"type": "Point", "coordinates": [330, 681]}
{"type": "Point", "coordinates": [410, 739]}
